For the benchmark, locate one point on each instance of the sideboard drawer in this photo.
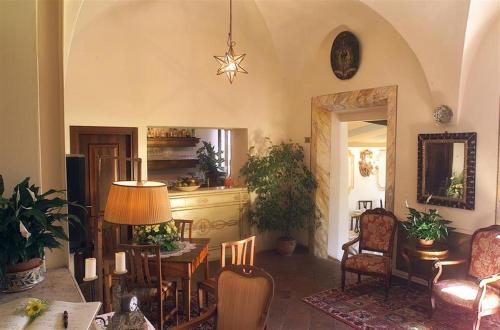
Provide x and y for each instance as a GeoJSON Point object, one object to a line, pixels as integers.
{"type": "Point", "coordinates": [204, 200]}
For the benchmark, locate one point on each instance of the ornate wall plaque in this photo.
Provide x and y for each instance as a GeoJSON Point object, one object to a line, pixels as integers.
{"type": "Point", "coordinates": [344, 56]}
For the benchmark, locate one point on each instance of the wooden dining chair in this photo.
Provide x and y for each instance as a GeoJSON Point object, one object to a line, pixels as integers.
{"type": "Point", "coordinates": [181, 228]}
{"type": "Point", "coordinates": [243, 299]}
{"type": "Point", "coordinates": [144, 280]}
{"type": "Point", "coordinates": [242, 253]}
{"type": "Point", "coordinates": [366, 205]}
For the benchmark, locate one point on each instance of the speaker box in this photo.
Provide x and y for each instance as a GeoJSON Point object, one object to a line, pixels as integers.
{"type": "Point", "coordinates": [75, 176]}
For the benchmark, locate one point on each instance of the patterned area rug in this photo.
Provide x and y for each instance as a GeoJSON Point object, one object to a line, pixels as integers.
{"type": "Point", "coordinates": [363, 307]}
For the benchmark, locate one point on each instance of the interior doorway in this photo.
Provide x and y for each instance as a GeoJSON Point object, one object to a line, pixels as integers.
{"type": "Point", "coordinates": [91, 143]}
{"type": "Point", "coordinates": [366, 157]}
{"type": "Point", "coordinates": [329, 135]}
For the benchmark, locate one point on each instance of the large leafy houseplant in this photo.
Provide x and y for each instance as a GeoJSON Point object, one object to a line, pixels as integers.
{"type": "Point", "coordinates": [426, 225]}
{"type": "Point", "coordinates": [30, 221]}
{"type": "Point", "coordinates": [284, 189]}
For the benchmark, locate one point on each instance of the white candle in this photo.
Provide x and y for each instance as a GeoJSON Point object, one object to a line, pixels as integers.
{"type": "Point", "coordinates": [120, 266]}
{"type": "Point", "coordinates": [90, 268]}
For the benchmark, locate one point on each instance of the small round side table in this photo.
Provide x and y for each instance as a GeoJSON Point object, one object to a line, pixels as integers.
{"type": "Point", "coordinates": [438, 251]}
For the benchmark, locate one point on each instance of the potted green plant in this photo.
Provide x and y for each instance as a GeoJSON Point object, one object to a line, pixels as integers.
{"type": "Point", "coordinates": [29, 223]}
{"type": "Point", "coordinates": [427, 226]}
{"type": "Point", "coordinates": [210, 163]}
{"type": "Point", "coordinates": [456, 186]}
{"type": "Point", "coordinates": [284, 191]}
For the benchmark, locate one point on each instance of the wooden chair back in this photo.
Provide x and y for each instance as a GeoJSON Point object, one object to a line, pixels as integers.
{"type": "Point", "coordinates": [181, 228]}
{"type": "Point", "coordinates": [140, 274]}
{"type": "Point", "coordinates": [367, 205]}
{"type": "Point", "coordinates": [244, 295]}
{"type": "Point", "coordinates": [241, 253]}
{"type": "Point", "coordinates": [145, 280]}
{"type": "Point", "coordinates": [377, 231]}
{"type": "Point", "coordinates": [484, 260]}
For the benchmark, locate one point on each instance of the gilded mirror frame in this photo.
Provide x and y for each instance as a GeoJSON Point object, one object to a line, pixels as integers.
{"type": "Point", "coordinates": [469, 139]}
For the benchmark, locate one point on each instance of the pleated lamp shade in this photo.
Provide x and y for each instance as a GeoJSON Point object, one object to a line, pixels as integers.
{"type": "Point", "coordinates": [138, 203]}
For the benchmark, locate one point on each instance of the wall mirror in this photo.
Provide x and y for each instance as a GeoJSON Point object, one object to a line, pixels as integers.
{"type": "Point", "coordinates": [447, 169]}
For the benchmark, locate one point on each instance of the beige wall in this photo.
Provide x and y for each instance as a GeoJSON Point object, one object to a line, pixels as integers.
{"type": "Point", "coordinates": [31, 125]}
{"type": "Point", "coordinates": [19, 129]}
{"type": "Point", "coordinates": [150, 63]}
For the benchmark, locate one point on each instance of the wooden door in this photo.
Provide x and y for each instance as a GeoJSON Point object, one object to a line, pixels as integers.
{"type": "Point", "coordinates": [93, 142]}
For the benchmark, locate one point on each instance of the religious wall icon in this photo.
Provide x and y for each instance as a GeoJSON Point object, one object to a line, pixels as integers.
{"type": "Point", "coordinates": [344, 56]}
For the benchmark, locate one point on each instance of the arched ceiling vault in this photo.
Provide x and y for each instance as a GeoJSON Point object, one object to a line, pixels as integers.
{"type": "Point", "coordinates": [434, 30]}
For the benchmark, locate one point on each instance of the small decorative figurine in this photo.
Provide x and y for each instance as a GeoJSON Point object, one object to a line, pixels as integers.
{"type": "Point", "coordinates": [129, 317]}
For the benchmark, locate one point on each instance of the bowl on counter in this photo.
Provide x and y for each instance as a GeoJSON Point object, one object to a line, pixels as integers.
{"type": "Point", "coordinates": [187, 188]}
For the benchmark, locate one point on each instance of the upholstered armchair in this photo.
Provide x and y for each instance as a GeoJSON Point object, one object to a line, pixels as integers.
{"type": "Point", "coordinates": [377, 229]}
{"type": "Point", "coordinates": [243, 299]}
{"type": "Point", "coordinates": [479, 292]}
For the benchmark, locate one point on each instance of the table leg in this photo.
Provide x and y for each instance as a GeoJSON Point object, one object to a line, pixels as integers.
{"type": "Point", "coordinates": [186, 293]}
{"type": "Point", "coordinates": [207, 274]}
{"type": "Point", "coordinates": [351, 223]}
{"type": "Point", "coordinates": [408, 265]}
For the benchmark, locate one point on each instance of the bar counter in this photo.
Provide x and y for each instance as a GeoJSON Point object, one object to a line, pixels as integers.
{"type": "Point", "coordinates": [218, 213]}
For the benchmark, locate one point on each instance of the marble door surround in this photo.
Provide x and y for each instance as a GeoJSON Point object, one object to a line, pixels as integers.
{"type": "Point", "coordinates": [364, 104]}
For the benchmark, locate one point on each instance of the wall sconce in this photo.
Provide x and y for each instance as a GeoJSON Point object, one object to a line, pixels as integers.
{"type": "Point", "coordinates": [366, 163]}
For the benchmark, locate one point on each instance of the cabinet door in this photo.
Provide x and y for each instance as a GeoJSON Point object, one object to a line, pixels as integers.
{"type": "Point", "coordinates": [219, 223]}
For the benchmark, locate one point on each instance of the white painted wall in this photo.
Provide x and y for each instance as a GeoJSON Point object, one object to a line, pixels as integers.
{"type": "Point", "coordinates": [127, 66]}
{"type": "Point", "coordinates": [338, 227]}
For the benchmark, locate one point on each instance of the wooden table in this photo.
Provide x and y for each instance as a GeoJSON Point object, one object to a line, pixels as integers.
{"type": "Point", "coordinates": [356, 215]}
{"type": "Point", "coordinates": [184, 266]}
{"type": "Point", "coordinates": [438, 251]}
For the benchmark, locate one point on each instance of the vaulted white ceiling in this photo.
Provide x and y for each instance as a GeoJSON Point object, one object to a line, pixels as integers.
{"type": "Point", "coordinates": [434, 29]}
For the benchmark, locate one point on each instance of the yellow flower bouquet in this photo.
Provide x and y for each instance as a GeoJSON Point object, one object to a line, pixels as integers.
{"type": "Point", "coordinates": [34, 308]}
{"type": "Point", "coordinates": [164, 234]}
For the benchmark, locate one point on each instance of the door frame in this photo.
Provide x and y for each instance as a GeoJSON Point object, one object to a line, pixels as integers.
{"type": "Point", "coordinates": [75, 131]}
{"type": "Point", "coordinates": [359, 102]}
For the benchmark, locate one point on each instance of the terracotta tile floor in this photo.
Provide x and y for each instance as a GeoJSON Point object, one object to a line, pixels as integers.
{"type": "Point", "coordinates": [295, 277]}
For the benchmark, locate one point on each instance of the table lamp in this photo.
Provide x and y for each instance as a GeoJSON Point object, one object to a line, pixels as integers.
{"type": "Point", "coordinates": [138, 203]}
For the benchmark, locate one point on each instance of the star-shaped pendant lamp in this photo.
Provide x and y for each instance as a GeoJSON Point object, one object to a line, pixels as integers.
{"type": "Point", "coordinates": [230, 63]}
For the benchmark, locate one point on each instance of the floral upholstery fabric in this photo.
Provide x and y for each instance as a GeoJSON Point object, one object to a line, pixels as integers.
{"type": "Point", "coordinates": [376, 232]}
{"type": "Point", "coordinates": [463, 293]}
{"type": "Point", "coordinates": [368, 263]}
{"type": "Point", "coordinates": [485, 255]}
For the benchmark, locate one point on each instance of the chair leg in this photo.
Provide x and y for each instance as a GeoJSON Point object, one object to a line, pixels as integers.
{"type": "Point", "coordinates": [177, 306]}
{"type": "Point", "coordinates": [359, 278]}
{"type": "Point", "coordinates": [201, 299]}
{"type": "Point", "coordinates": [387, 286]}
{"type": "Point", "coordinates": [343, 280]}
{"type": "Point", "coordinates": [477, 322]}
{"type": "Point", "coordinates": [433, 305]}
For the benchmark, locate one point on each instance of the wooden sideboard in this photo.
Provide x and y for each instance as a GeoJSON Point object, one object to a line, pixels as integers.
{"type": "Point", "coordinates": [218, 213]}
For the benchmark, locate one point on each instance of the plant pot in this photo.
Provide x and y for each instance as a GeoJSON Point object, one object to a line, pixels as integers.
{"type": "Point", "coordinates": [23, 276]}
{"type": "Point", "coordinates": [425, 242]}
{"type": "Point", "coordinates": [286, 246]}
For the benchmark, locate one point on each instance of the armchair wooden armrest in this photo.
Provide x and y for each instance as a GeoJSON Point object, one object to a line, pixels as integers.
{"type": "Point", "coordinates": [487, 280]}
{"type": "Point", "coordinates": [440, 263]}
{"type": "Point", "coordinates": [212, 311]}
{"type": "Point", "coordinates": [345, 247]}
